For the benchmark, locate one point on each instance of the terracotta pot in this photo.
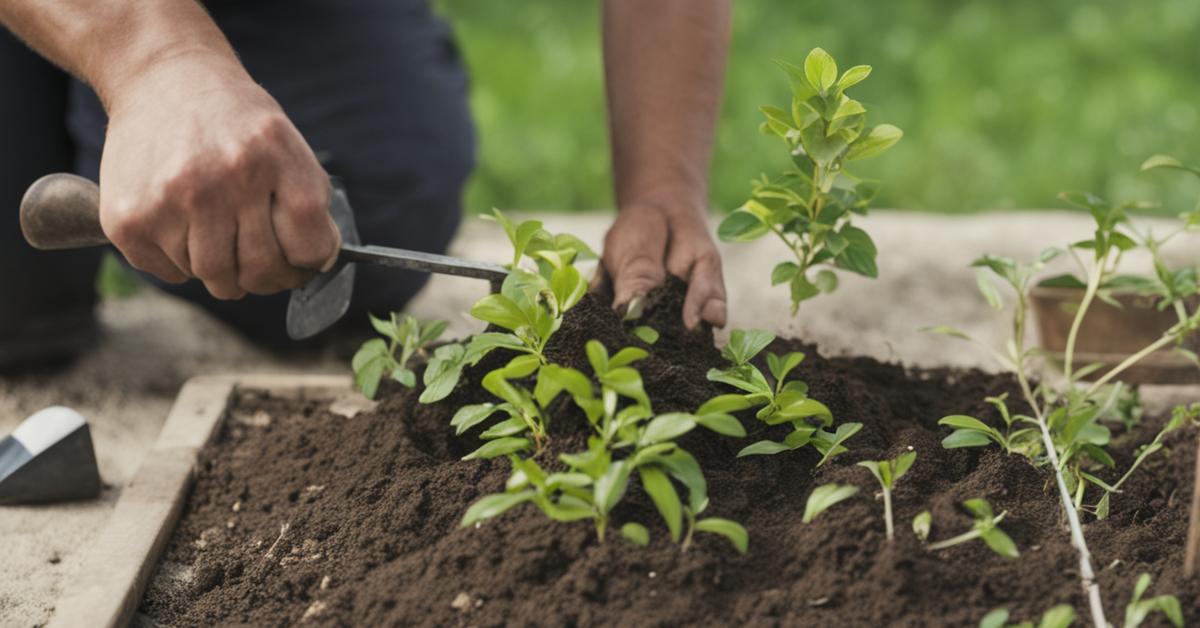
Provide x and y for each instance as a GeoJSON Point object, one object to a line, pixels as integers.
{"type": "Point", "coordinates": [1109, 334]}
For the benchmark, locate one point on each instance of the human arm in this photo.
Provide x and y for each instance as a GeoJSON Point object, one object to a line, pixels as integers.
{"type": "Point", "coordinates": [202, 174]}
{"type": "Point", "coordinates": [665, 64]}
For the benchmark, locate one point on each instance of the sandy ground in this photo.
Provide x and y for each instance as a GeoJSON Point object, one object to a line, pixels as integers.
{"type": "Point", "coordinates": [154, 343]}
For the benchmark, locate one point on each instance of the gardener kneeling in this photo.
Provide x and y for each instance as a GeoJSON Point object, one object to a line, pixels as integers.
{"type": "Point", "coordinates": [211, 131]}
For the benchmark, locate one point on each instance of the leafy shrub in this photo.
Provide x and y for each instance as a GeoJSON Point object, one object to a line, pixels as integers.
{"type": "Point", "coordinates": [810, 206]}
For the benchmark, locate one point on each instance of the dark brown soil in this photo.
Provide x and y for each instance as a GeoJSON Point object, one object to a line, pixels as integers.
{"type": "Point", "coordinates": [315, 517]}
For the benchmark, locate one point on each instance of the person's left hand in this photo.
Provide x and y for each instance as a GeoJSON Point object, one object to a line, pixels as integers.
{"type": "Point", "coordinates": [647, 241]}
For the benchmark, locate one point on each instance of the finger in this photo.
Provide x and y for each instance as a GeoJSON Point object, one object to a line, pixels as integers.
{"type": "Point", "coordinates": [136, 239]}
{"type": "Point", "coordinates": [705, 300]}
{"type": "Point", "coordinates": [212, 247]}
{"type": "Point", "coordinates": [303, 227]}
{"type": "Point", "coordinates": [261, 265]}
{"type": "Point", "coordinates": [637, 276]}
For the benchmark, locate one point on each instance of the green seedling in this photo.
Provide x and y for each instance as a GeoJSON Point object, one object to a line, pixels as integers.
{"type": "Point", "coordinates": [1138, 609]}
{"type": "Point", "coordinates": [1061, 616]}
{"type": "Point", "coordinates": [986, 527]}
{"type": "Point", "coordinates": [887, 472]}
{"type": "Point", "coordinates": [1070, 418]}
{"type": "Point", "coordinates": [529, 307]}
{"type": "Point", "coordinates": [785, 401]}
{"type": "Point", "coordinates": [377, 356]}
{"type": "Point", "coordinates": [971, 432]}
{"type": "Point", "coordinates": [1180, 416]}
{"type": "Point", "coordinates": [809, 206]}
{"type": "Point", "coordinates": [825, 496]}
{"type": "Point", "coordinates": [596, 479]}
{"type": "Point", "coordinates": [922, 524]}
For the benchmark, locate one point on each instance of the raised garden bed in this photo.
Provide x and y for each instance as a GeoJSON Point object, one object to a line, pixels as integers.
{"type": "Point", "coordinates": [299, 513]}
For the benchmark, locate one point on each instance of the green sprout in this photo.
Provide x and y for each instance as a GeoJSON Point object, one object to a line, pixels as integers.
{"type": "Point", "coordinates": [784, 401]}
{"type": "Point", "coordinates": [825, 496]}
{"type": "Point", "coordinates": [887, 472]}
{"type": "Point", "coordinates": [986, 527]}
{"type": "Point", "coordinates": [1138, 609]}
{"type": "Point", "coordinates": [922, 524]}
{"type": "Point", "coordinates": [809, 207]}
{"type": "Point", "coordinates": [1061, 616]}
{"type": "Point", "coordinates": [377, 356]}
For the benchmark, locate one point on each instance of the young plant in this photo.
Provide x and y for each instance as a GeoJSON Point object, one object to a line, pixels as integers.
{"type": "Point", "coordinates": [1138, 609]}
{"type": "Point", "coordinates": [529, 307]}
{"type": "Point", "coordinates": [1180, 416]}
{"type": "Point", "coordinates": [887, 472]}
{"type": "Point", "coordinates": [595, 479]}
{"type": "Point", "coordinates": [826, 496]}
{"type": "Point", "coordinates": [922, 525]}
{"type": "Point", "coordinates": [782, 402]}
{"type": "Point", "coordinates": [971, 432]}
{"type": "Point", "coordinates": [378, 356]}
{"type": "Point", "coordinates": [1068, 417]}
{"type": "Point", "coordinates": [810, 206]}
{"type": "Point", "coordinates": [986, 527]}
{"type": "Point", "coordinates": [1061, 616]}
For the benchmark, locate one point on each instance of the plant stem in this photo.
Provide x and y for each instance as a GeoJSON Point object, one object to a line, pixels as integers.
{"type": "Point", "coordinates": [969, 535]}
{"type": "Point", "coordinates": [1086, 574]}
{"type": "Point", "coordinates": [1089, 294]}
{"type": "Point", "coordinates": [887, 513]}
{"type": "Point", "coordinates": [1130, 361]}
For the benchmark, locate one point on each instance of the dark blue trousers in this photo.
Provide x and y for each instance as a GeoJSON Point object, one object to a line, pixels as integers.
{"type": "Point", "coordinates": [375, 86]}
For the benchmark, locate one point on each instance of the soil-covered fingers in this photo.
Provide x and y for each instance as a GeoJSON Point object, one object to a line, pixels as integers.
{"type": "Point", "coordinates": [633, 256]}
{"type": "Point", "coordinates": [693, 257]}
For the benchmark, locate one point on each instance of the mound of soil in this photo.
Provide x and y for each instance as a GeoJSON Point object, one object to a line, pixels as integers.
{"type": "Point", "coordinates": [304, 515]}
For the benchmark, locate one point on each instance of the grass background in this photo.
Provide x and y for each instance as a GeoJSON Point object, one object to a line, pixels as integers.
{"type": "Point", "coordinates": [1004, 103]}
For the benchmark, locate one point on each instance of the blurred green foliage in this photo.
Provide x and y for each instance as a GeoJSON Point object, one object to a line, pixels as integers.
{"type": "Point", "coordinates": [1004, 103]}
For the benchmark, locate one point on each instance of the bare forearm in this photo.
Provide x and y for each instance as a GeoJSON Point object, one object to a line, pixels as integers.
{"type": "Point", "coordinates": [665, 67]}
{"type": "Point", "coordinates": [109, 43]}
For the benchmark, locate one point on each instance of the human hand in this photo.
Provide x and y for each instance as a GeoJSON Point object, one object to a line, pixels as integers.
{"type": "Point", "coordinates": [646, 241]}
{"type": "Point", "coordinates": [204, 176]}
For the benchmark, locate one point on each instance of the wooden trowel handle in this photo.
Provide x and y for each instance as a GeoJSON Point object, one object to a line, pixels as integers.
{"type": "Point", "coordinates": [62, 211]}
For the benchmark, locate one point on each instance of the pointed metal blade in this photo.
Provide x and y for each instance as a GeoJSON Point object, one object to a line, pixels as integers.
{"type": "Point", "coordinates": [324, 300]}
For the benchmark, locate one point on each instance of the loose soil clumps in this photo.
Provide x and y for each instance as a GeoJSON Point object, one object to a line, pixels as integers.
{"type": "Point", "coordinates": [301, 514]}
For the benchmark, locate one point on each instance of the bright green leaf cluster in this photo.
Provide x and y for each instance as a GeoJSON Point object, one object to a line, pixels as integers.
{"type": "Point", "coordinates": [809, 207]}
{"type": "Point", "coordinates": [377, 356]}
{"type": "Point", "coordinates": [628, 440]}
{"type": "Point", "coordinates": [529, 307]}
{"type": "Point", "coordinates": [782, 402]}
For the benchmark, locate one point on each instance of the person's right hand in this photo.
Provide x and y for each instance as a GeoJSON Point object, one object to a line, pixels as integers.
{"type": "Point", "coordinates": [204, 176]}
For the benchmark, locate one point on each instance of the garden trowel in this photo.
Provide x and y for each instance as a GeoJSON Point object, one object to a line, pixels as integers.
{"type": "Point", "coordinates": [48, 458]}
{"type": "Point", "coordinates": [62, 211]}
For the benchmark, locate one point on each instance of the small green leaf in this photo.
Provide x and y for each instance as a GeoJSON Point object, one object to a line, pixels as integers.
{"type": "Point", "coordinates": [636, 533]}
{"type": "Point", "coordinates": [826, 281]}
{"type": "Point", "coordinates": [728, 529]}
{"type": "Point", "coordinates": [494, 505]}
{"type": "Point", "coordinates": [724, 404]}
{"type": "Point", "coordinates": [1000, 542]}
{"type": "Point", "coordinates": [404, 376]}
{"type": "Point", "coordinates": [825, 496]}
{"type": "Point", "coordinates": [471, 415]}
{"type": "Point", "coordinates": [646, 334]}
{"type": "Point", "coordinates": [946, 330]}
{"type": "Point", "coordinates": [744, 344]}
{"type": "Point", "coordinates": [963, 421]}
{"type": "Point", "coordinates": [820, 69]}
{"type": "Point", "coordinates": [874, 143]}
{"type": "Point", "coordinates": [1061, 616]}
{"type": "Point", "coordinates": [854, 76]}
{"type": "Point", "coordinates": [742, 226]}
{"type": "Point", "coordinates": [723, 424]}
{"type": "Point", "coordinates": [658, 486]}
{"type": "Point", "coordinates": [988, 290]}
{"type": "Point", "coordinates": [666, 427]}
{"type": "Point", "coordinates": [498, 447]}
{"type": "Point", "coordinates": [763, 448]}
{"type": "Point", "coordinates": [784, 272]}
{"type": "Point", "coordinates": [500, 310]}
{"type": "Point", "coordinates": [965, 438]}
{"type": "Point", "coordinates": [997, 618]}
